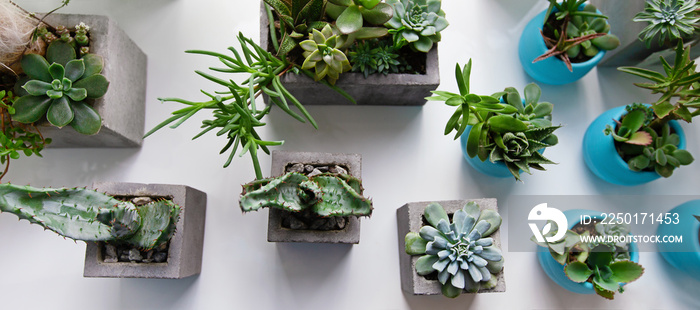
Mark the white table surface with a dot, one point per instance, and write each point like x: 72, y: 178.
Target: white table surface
x: 405, y: 158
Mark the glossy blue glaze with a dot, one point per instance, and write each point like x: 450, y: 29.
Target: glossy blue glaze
x: 684, y: 256
x: 551, y: 70
x: 601, y: 156
x: 555, y: 271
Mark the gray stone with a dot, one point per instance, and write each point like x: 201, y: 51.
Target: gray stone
x: 341, y: 222
x: 377, y: 89
x: 322, y: 168
x: 123, y: 107
x: 110, y: 254
x: 296, y: 168
x: 140, y: 201
x: 410, y: 218
x: 631, y: 51
x: 314, y: 172
x: 184, y: 257
x: 338, y: 169
x: 276, y: 233
x: 295, y: 223
x: 135, y: 255
x: 160, y: 257
x: 309, y: 168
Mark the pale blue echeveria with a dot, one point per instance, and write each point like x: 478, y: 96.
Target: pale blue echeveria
x: 417, y: 22
x: 460, y: 252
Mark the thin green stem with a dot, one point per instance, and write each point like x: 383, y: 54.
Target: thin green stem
x: 273, y: 31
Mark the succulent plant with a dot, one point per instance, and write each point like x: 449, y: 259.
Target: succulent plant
x: 417, y: 22
x: 371, y: 57
x: 351, y: 15
x: 521, y: 150
x: 297, y: 18
x: 325, y: 195
x: 661, y: 155
x: 58, y: 87
x: 630, y: 128
x: 460, y: 252
x: 578, y: 32
x: 669, y: 20
x: 562, y: 248
x: 83, y: 214
x: 322, y: 54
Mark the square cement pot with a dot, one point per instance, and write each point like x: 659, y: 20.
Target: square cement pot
x: 185, y: 249
x: 631, y: 51
x: 410, y: 218
x: 123, y: 106
x: 276, y: 233
x: 377, y: 89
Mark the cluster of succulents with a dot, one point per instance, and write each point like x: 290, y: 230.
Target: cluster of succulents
x: 606, y: 265
x: 643, y: 136
x: 460, y: 252
x: 325, y: 194
x: 503, y: 127
x: 575, y: 34
x: 83, y: 214
x: 369, y: 57
x: 668, y: 20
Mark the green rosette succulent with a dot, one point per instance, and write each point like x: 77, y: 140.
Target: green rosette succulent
x: 417, y: 22
x: 351, y: 15
x: 322, y: 53
x: 669, y: 20
x: 58, y: 86
x: 460, y: 252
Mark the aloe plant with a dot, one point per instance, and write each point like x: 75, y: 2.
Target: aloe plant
x: 87, y: 215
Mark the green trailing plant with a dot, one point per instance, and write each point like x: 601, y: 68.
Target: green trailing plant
x: 604, y: 264
x: 643, y: 136
x: 322, y: 53
x: 324, y: 195
x: 297, y: 19
x: 83, y: 214
x: 575, y: 34
x: 369, y: 57
x: 58, y: 87
x: 16, y: 139
x: 510, y: 131
x: 235, y: 113
x: 351, y: 15
x: 668, y: 20
x: 417, y: 23
x: 460, y: 252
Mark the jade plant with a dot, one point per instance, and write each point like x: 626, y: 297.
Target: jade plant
x: 573, y: 34
x: 324, y: 195
x: 460, y: 252
x: 83, y: 214
x: 417, y: 23
x: 606, y: 265
x: 643, y: 136
x: 668, y: 21
x: 503, y: 127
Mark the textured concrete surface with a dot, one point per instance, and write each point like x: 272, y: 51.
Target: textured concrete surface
x: 277, y: 233
x: 377, y: 89
x: 123, y: 107
x: 410, y: 218
x: 185, y: 252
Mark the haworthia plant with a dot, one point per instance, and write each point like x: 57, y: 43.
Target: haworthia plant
x: 83, y: 214
x: 324, y: 194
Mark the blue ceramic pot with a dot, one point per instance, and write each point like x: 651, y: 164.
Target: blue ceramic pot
x: 551, y: 70
x: 497, y: 169
x: 684, y: 256
x: 602, y: 158
x: 555, y: 271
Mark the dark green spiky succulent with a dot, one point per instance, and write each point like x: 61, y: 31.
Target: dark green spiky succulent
x: 669, y: 20
x: 58, y: 87
x: 417, y: 22
x: 362, y: 58
x: 351, y: 15
x: 87, y: 215
x: 324, y: 195
x: 460, y: 252
x: 370, y: 57
x: 322, y: 54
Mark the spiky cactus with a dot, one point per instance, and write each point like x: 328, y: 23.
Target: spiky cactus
x: 83, y: 214
x: 324, y: 194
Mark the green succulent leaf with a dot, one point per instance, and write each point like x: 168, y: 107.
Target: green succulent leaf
x: 424, y: 264
x: 60, y: 113
x: 93, y: 64
x: 75, y: 69
x: 37, y: 87
x: 626, y: 271
x: 30, y: 109
x: 434, y: 212
x: 415, y: 245
x: 60, y: 52
x: 36, y: 67
x: 96, y: 85
x: 506, y: 123
x: 578, y: 272
x: 350, y: 20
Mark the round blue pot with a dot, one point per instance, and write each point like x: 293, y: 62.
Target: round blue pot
x: 555, y: 271
x: 684, y: 256
x: 497, y: 169
x: 551, y: 70
x: 602, y: 158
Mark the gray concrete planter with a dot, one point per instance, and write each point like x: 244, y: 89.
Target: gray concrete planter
x: 631, y: 51
x: 276, y: 233
x: 185, y: 249
x: 377, y: 89
x: 410, y: 218
x: 123, y: 107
